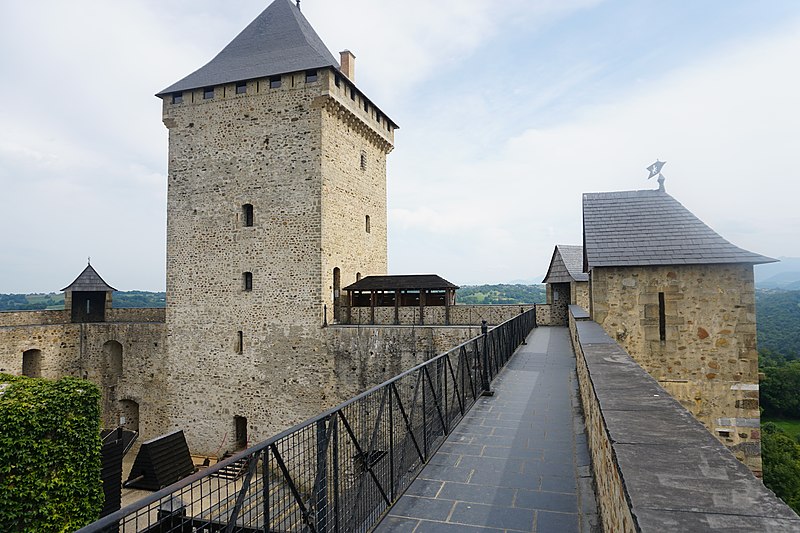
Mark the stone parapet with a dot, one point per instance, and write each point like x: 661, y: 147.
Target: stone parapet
x: 33, y: 318
x: 656, y: 467
x: 457, y: 315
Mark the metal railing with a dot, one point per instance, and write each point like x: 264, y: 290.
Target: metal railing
x: 339, y: 471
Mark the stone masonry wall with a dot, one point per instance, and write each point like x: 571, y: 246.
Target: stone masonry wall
x: 83, y: 350
x: 367, y: 356
x: 656, y: 468
x: 708, y: 361
x: 28, y: 318
x: 279, y: 150
x: 460, y: 315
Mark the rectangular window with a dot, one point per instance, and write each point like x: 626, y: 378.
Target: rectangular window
x: 337, y: 81
x: 247, y: 215
x: 247, y: 279
x: 662, y: 318
x: 311, y: 76
x: 208, y: 93
x: 274, y: 82
x: 177, y: 98
x: 241, y: 87
x: 239, y: 342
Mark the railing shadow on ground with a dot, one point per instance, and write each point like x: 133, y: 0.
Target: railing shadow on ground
x: 341, y: 470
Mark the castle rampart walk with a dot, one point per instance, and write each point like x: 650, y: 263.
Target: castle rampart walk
x: 518, y: 461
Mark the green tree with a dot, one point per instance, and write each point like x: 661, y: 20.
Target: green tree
x: 781, y: 459
x: 780, y: 390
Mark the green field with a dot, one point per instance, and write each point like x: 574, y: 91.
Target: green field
x: 790, y: 426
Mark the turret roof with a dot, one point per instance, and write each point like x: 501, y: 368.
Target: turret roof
x: 278, y: 41
x: 89, y: 281
x: 651, y: 227
x: 566, y: 265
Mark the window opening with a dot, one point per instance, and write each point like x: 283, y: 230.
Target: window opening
x: 240, y: 431
x: 208, y: 93
x: 363, y: 160
x: 358, y: 276
x: 337, y: 81
x: 274, y: 82
x: 352, y: 94
x: 247, y: 215
x: 367, y: 224
x: 311, y: 76
x: 32, y: 363
x: 239, y: 342
x: 662, y: 319
x: 177, y: 98
x: 247, y: 279
x: 337, y: 285
x: 241, y: 87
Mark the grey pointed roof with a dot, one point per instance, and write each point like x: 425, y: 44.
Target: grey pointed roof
x: 279, y: 40
x: 651, y: 227
x: 89, y: 281
x: 566, y: 265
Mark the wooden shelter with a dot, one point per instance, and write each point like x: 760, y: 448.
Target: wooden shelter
x: 417, y: 290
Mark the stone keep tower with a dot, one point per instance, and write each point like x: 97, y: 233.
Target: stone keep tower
x: 276, y: 199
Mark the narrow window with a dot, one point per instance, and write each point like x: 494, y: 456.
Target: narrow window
x: 358, y: 276
x: 311, y: 76
x: 247, y: 280
x: 247, y: 215
x: 363, y: 160
x: 240, y: 432
x: 662, y: 318
x: 274, y: 82
x: 239, y: 342
x: 337, y: 81
x: 367, y: 223
x: 241, y: 87
x: 208, y: 93
x: 177, y: 98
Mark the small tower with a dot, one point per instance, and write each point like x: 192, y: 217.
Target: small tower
x: 276, y: 199
x: 88, y: 297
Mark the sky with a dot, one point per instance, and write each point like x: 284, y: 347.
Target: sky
x: 508, y: 112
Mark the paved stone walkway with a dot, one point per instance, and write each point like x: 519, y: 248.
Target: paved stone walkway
x: 517, y: 462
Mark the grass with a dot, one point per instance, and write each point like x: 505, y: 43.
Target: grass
x: 790, y: 426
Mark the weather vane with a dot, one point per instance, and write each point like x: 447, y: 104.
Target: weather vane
x: 655, y: 170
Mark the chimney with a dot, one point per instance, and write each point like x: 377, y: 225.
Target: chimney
x: 348, y: 62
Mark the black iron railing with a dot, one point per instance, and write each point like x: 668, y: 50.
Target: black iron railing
x: 340, y: 471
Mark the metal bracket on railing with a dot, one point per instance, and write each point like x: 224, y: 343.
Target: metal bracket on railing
x: 485, y: 380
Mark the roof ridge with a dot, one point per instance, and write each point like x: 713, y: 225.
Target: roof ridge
x: 279, y: 40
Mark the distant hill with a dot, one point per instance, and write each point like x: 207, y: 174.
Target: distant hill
x: 778, y: 316
x: 501, y: 294
x: 782, y: 275
x: 55, y: 300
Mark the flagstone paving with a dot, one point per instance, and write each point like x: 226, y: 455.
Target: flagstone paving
x: 517, y: 462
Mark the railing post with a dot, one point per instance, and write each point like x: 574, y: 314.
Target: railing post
x: 321, y: 490
x: 485, y: 382
x: 521, y: 325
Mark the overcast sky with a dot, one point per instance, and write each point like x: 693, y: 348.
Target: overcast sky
x: 508, y: 110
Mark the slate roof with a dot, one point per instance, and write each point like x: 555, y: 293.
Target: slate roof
x: 278, y: 41
x: 89, y: 281
x: 410, y: 282
x: 651, y: 227
x: 566, y: 265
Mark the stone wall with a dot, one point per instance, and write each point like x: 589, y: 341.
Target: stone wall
x: 132, y: 373
x: 460, y: 315
x: 708, y: 359
x: 28, y: 318
x: 655, y: 466
x: 365, y: 356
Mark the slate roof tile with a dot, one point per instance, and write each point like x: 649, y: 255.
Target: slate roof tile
x: 89, y: 281
x: 278, y: 41
x: 405, y: 282
x: 650, y: 227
